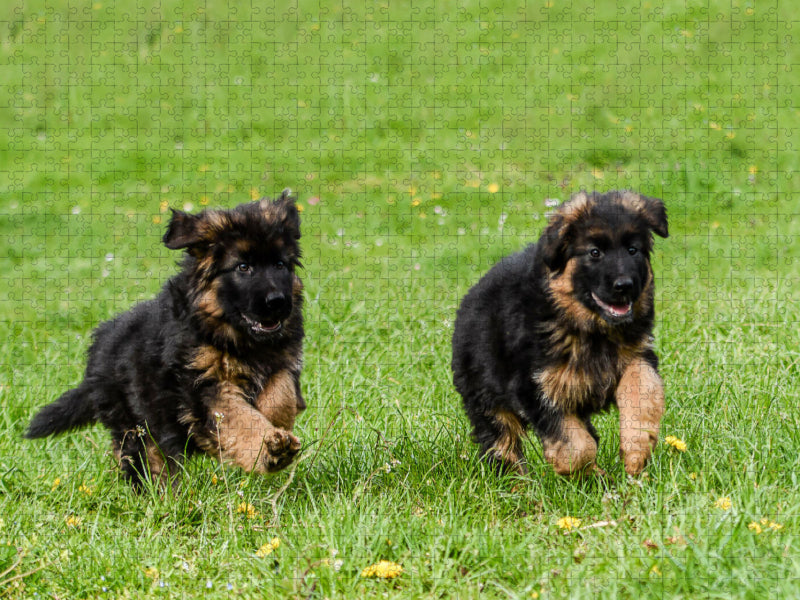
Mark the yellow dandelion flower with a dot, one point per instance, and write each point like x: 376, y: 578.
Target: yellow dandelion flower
x: 56, y: 483
x: 676, y: 443
x: 473, y: 183
x: 254, y: 194
x: 73, y: 521
x: 85, y: 489
x: 156, y: 220
x: 723, y: 503
x: 693, y: 476
x: 715, y: 126
x: 752, y: 170
x: 493, y: 188
x: 416, y: 202
x: 755, y: 527
x: 300, y: 208
x: 214, y: 480
x: 771, y: 524
x: 654, y: 570
x: 203, y: 200
x: 568, y: 523
x: 598, y: 173
x: 384, y: 569
x: 151, y: 572
x: 203, y: 168
x: 268, y: 548
x: 247, y: 509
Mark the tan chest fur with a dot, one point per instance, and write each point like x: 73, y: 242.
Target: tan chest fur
x: 582, y: 374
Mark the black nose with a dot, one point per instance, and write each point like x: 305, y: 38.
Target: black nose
x: 623, y: 285
x: 277, y: 303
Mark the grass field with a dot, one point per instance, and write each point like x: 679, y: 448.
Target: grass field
x: 422, y: 141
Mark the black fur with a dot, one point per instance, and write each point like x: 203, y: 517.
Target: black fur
x: 512, y: 325
x: 236, y: 304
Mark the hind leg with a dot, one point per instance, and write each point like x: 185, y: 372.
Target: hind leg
x: 140, y: 458
x: 500, y: 436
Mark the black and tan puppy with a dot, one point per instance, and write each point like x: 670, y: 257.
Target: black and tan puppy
x: 212, y: 364
x: 562, y: 330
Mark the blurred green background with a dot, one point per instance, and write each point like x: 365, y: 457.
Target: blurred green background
x: 425, y: 141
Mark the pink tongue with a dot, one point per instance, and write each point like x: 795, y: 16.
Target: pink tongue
x: 619, y: 310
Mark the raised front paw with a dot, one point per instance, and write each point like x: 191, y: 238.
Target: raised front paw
x: 280, y: 448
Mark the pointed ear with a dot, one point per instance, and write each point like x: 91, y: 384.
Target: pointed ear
x: 655, y: 213
x: 183, y: 230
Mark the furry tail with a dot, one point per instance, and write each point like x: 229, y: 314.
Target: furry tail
x: 71, y: 411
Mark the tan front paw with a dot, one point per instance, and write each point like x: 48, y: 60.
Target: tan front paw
x: 636, y: 453
x: 280, y: 448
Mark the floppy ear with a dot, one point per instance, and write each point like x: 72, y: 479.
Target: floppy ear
x: 655, y: 213
x: 288, y: 213
x: 553, y: 243
x: 183, y: 230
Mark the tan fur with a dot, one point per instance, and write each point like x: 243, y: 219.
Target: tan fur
x: 278, y: 401
x: 632, y: 201
x: 645, y: 300
x: 297, y: 287
x: 256, y: 438
x: 640, y: 397
x: 507, y: 448
x: 562, y: 293
x: 217, y: 365
x: 158, y: 471
x: 214, y: 222
x: 567, y: 382
x: 573, y: 450
x: 571, y: 212
x: 245, y: 437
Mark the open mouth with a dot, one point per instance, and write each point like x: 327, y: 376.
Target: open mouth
x: 258, y: 327
x: 614, y: 310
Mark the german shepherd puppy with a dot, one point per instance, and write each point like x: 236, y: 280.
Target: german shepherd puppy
x: 560, y: 331
x: 211, y: 364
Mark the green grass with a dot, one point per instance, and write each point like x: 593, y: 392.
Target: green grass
x: 431, y: 137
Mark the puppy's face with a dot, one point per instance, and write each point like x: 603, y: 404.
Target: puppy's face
x: 611, y: 270
x: 244, y: 265
x: 255, y: 284
x: 602, y: 244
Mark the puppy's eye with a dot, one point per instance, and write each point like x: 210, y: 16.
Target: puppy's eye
x: 279, y: 265
x: 594, y: 253
x: 243, y: 267
x: 632, y: 250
